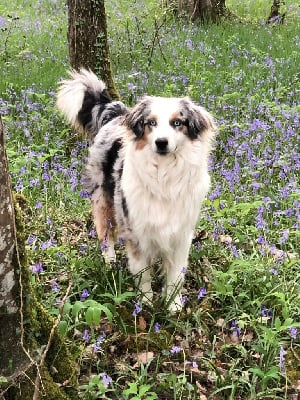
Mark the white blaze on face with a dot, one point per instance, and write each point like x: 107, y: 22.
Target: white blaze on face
x: 165, y: 131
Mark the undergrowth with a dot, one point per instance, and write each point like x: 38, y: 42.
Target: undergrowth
x: 237, y: 336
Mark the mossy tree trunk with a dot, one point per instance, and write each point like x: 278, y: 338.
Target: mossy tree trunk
x: 12, y: 357
x: 87, y: 37
x: 25, y: 326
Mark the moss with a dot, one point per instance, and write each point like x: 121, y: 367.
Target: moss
x: 293, y: 365
x: 59, y: 375
x: 49, y: 389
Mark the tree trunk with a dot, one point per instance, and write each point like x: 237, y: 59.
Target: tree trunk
x: 87, y: 37
x: 202, y: 10
x: 12, y: 357
x: 25, y: 327
x: 275, y: 15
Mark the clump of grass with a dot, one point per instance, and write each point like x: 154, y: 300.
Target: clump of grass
x: 237, y: 337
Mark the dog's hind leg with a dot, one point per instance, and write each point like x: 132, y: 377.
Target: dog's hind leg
x: 104, y: 220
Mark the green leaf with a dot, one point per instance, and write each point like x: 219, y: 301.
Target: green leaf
x: 89, y: 316
x: 96, y: 315
x: 63, y: 328
x: 257, y: 371
x: 77, y: 306
x: 132, y: 389
x: 143, y: 389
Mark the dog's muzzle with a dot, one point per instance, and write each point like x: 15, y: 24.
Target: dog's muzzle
x: 162, y: 146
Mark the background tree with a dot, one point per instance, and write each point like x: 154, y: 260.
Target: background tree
x: 203, y: 10
x: 87, y: 38
x: 213, y: 10
x: 275, y: 15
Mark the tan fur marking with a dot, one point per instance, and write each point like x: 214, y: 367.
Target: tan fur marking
x: 181, y: 128
x: 143, y: 141
x: 133, y: 249
x: 175, y: 115
x: 104, y: 219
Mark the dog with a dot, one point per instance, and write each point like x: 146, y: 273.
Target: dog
x: 146, y: 175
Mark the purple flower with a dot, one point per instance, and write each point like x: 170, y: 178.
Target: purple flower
x: 236, y: 330
x: 281, y: 360
x: 293, y: 332
x: 105, y: 379
x: 83, y: 249
x: 92, y: 233
x: 34, y: 182
x: 156, y: 327
x: 46, y: 245
x: 84, y: 194
x: 2, y: 22
x: 284, y: 236
x: 37, y: 268
x: 193, y: 363
x: 175, y: 349
x: 265, y: 312
x: 38, y: 205
x: 46, y: 177
x: 84, y: 295
x: 100, y: 340
x: 273, y: 271
x: 137, y: 309
x: 86, y: 335
x: 31, y: 239
x: 184, y: 299
x: 104, y: 246
x: 202, y: 292
x: 19, y: 186
x: 55, y: 285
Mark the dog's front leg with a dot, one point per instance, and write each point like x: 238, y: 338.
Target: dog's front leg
x: 175, y: 269
x: 139, y: 267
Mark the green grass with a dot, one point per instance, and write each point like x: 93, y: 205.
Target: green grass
x: 236, y: 341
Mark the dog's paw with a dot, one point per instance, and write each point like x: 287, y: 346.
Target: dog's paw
x: 109, y: 258
x: 175, y: 305
x: 109, y: 253
x: 147, y: 298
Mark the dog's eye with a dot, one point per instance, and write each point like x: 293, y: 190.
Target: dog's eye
x: 176, y: 122
x: 152, y: 122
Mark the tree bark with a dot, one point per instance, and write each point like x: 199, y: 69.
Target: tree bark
x: 201, y: 10
x: 12, y: 356
x: 87, y: 38
x: 25, y: 327
x: 275, y: 15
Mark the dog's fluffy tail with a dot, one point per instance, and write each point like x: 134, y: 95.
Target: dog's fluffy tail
x: 86, y: 103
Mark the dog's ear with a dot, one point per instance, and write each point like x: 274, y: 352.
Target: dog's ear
x: 135, y: 119
x: 198, y: 119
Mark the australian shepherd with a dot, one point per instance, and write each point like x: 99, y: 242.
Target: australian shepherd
x: 146, y: 175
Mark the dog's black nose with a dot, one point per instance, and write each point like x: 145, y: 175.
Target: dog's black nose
x: 162, y: 145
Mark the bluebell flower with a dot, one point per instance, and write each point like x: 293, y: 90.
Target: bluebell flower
x: 293, y: 332
x: 84, y: 295
x: 281, y: 360
x: 86, y: 335
x: 202, y: 292
x: 105, y: 379
x: 175, y: 349
x: 137, y: 309
x: 37, y: 268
